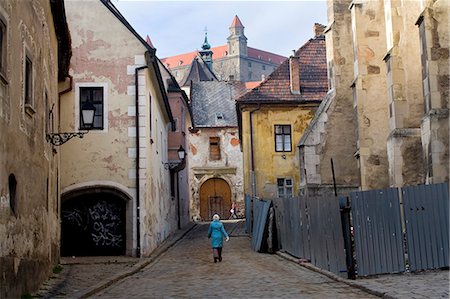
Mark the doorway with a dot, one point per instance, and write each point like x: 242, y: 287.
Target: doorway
x: 215, y: 197
x: 93, y: 224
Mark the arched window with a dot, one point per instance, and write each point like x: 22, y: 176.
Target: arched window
x: 12, y: 183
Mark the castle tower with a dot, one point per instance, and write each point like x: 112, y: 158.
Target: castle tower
x: 237, y: 42
x: 206, y: 52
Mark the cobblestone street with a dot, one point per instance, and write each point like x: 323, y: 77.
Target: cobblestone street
x: 187, y: 270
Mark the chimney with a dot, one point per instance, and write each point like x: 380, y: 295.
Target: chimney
x: 318, y: 29
x: 294, y: 73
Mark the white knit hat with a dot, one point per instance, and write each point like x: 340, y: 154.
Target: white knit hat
x: 216, y: 217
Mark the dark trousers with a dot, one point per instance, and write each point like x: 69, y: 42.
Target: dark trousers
x: 217, y: 255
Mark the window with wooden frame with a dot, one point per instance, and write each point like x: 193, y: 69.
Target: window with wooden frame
x: 95, y: 96
x: 284, y: 187
x: 214, y: 148
x: 283, y: 138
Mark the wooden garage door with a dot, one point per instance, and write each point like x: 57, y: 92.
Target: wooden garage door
x: 215, y: 197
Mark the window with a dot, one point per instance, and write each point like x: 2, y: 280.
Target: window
x: 284, y: 186
x: 219, y: 116
x: 175, y: 125
x: 231, y: 77
x: 28, y: 81
x: 283, y: 138
x: 95, y: 96
x: 264, y: 67
x: 2, y: 47
x: 250, y: 75
x: 214, y: 148
x: 12, y: 185
x: 249, y: 64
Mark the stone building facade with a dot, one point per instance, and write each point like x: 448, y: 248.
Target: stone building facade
x: 233, y: 61
x: 116, y: 192
x: 34, y: 56
x: 374, y: 50
x: 215, y: 158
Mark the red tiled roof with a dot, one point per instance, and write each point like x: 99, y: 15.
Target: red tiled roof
x: 221, y: 52
x: 236, y: 22
x: 252, y: 84
x: 313, y: 77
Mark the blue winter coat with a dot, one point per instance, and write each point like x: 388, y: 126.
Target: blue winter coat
x: 216, y: 232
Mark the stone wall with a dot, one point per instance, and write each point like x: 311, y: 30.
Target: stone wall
x: 29, y: 166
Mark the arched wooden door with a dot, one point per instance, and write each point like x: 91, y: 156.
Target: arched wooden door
x: 215, y: 197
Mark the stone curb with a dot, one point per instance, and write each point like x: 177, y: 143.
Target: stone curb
x: 138, y: 266
x: 334, y: 276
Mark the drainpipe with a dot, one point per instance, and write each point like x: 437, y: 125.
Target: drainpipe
x: 176, y: 171
x: 138, y: 208
x: 252, y: 159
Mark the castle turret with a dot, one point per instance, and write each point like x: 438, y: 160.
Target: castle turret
x: 237, y: 42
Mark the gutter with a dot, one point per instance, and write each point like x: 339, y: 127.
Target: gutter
x: 138, y: 208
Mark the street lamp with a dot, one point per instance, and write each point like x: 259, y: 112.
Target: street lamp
x: 87, y: 122
x: 173, y: 164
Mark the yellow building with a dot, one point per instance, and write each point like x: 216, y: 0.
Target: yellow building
x: 273, y: 116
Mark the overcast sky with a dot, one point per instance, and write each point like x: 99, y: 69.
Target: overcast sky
x: 177, y: 27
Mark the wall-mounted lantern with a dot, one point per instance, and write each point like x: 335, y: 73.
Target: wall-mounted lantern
x: 173, y: 164
x: 87, y: 122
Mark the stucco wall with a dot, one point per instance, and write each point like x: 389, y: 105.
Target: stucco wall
x: 229, y: 167
x: 270, y: 165
x: 29, y: 232
x: 106, y: 53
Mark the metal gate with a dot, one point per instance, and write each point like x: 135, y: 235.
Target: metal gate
x: 377, y: 232
x: 427, y: 228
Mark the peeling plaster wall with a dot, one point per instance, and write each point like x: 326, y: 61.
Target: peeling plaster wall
x: 29, y: 230
x: 106, y: 53
x: 229, y: 167
x: 158, y: 208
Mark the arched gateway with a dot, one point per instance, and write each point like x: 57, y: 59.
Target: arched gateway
x: 215, y: 197
x: 93, y: 222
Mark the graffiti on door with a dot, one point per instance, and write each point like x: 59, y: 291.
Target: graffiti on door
x: 93, y: 227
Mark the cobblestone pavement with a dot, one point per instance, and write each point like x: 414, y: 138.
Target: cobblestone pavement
x: 187, y: 270
x: 80, y: 273
x: 427, y: 284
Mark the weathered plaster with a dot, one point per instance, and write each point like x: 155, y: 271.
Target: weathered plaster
x: 30, y: 230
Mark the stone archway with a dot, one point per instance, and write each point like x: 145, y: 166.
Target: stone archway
x: 215, y: 197
x: 93, y: 222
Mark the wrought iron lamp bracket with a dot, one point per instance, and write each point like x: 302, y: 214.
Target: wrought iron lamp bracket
x: 58, y: 139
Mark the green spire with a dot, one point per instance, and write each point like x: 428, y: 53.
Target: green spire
x: 206, y: 45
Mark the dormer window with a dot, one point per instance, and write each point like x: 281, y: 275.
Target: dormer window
x: 180, y: 62
x: 219, y: 116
